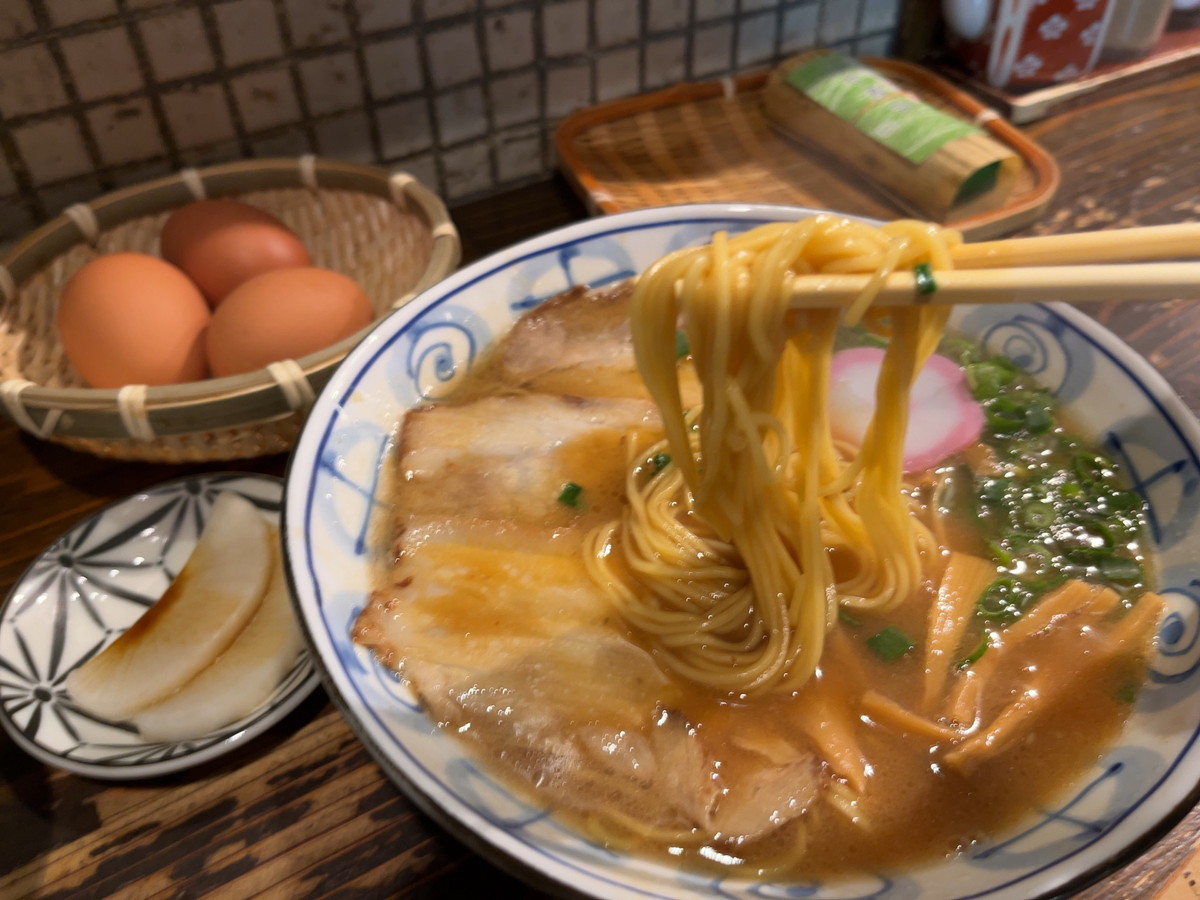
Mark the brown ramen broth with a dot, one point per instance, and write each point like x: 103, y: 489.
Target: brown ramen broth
x: 887, y: 756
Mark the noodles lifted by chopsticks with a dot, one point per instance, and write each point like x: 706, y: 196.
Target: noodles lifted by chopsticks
x: 732, y: 559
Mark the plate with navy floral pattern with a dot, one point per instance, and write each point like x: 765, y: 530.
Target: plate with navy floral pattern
x: 82, y: 592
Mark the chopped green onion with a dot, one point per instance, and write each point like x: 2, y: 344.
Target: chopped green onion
x: 570, y: 494
x: 993, y: 490
x: 1092, y: 468
x: 923, y: 273
x: 660, y: 461
x: 1128, y: 691
x: 890, y: 644
x: 1004, y: 415
x: 973, y: 657
x: 1094, y: 534
x: 1034, y: 559
x: 987, y: 379
x: 682, y: 347
x: 1038, y: 515
x: 1003, y: 600
x: 847, y: 618
x: 1001, y: 554
x: 1122, y: 501
x: 1121, y: 569
x: 1007, y: 414
x: 1038, y: 418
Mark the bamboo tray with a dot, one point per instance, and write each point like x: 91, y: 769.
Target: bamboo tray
x: 710, y: 142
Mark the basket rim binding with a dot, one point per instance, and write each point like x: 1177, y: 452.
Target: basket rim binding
x: 145, y: 413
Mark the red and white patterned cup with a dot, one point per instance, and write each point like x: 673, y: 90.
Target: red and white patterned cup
x: 1026, y: 43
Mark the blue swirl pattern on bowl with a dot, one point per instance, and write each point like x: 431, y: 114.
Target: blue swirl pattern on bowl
x: 333, y: 502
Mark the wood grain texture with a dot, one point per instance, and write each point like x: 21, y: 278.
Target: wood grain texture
x: 304, y: 812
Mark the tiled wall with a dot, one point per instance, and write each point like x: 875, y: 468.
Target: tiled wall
x: 462, y: 93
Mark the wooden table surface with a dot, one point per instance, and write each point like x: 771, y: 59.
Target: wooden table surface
x: 303, y: 811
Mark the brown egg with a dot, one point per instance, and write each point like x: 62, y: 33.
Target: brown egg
x: 221, y: 243
x: 129, y: 318
x: 284, y: 314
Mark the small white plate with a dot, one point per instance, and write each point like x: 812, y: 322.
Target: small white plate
x: 88, y: 587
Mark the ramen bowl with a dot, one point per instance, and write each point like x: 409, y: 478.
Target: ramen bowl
x: 334, y: 505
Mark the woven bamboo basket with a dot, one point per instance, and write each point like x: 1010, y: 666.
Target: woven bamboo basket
x: 384, y: 230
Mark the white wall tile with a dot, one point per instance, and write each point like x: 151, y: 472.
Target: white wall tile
x: 752, y: 5
x: 290, y: 142
x: 568, y: 88
x: 198, y: 115
x: 509, y: 40
x: 756, y: 40
x: 461, y: 115
x: 514, y: 99
x: 29, y: 81
x: 665, y: 62
x: 393, y: 67
x: 102, y: 63
x: 266, y: 99
x: 453, y: 55
x: 52, y: 149
x: 706, y: 10
x: 404, y: 128
x: 617, y: 21
x: 316, y: 23
x: 878, y: 45
x: 125, y: 131
x: 800, y: 28
x: 519, y: 154
x: 331, y: 83
x: 210, y: 154
x: 712, y: 50
x: 839, y: 19
x: 440, y: 9
x: 467, y: 170
x: 376, y: 15
x: 618, y: 73
x: 70, y: 12
x: 176, y: 44
x: 565, y: 28
x: 249, y: 31
x: 666, y: 15
x: 346, y: 136
x: 878, y: 15
x: 424, y: 169
x: 16, y: 19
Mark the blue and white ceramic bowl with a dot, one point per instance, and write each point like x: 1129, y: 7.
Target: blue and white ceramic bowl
x: 332, y: 503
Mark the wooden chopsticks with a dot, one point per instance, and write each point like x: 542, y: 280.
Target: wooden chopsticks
x: 1120, y: 245
x: 1085, y: 267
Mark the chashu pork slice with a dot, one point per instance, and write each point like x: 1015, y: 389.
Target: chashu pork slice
x: 509, y: 649
x: 491, y: 603
x: 479, y: 528
x: 580, y: 343
x: 493, y: 469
